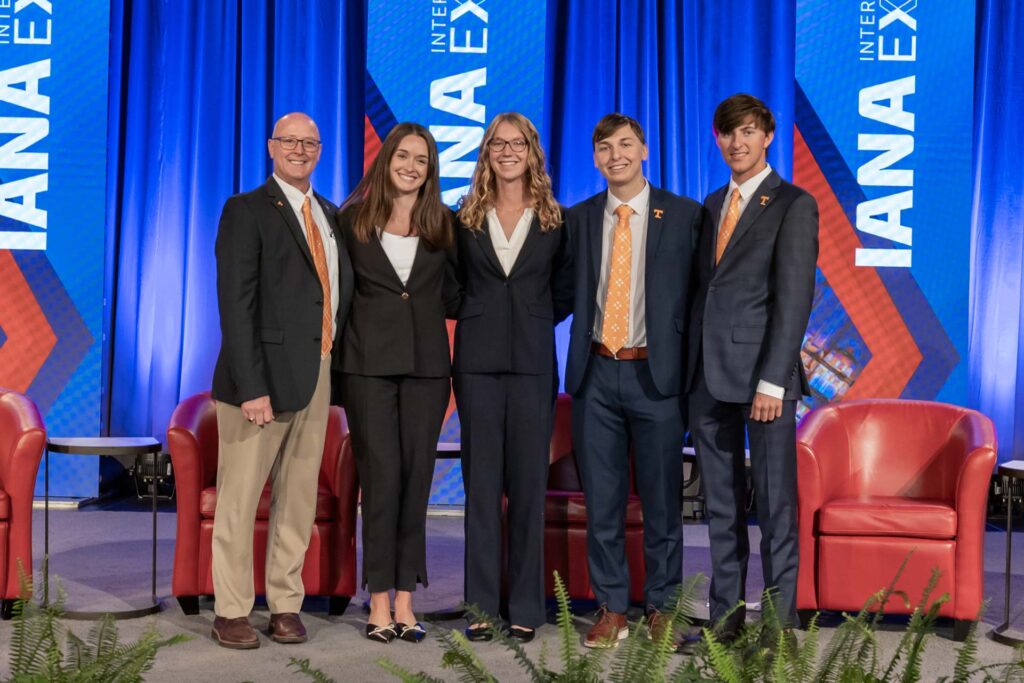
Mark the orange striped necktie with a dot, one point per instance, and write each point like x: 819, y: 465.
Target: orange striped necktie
x: 615, y: 327
x: 732, y: 217
x: 316, y: 246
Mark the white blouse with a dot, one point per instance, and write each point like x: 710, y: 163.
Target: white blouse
x: 401, y: 251
x: 508, y: 249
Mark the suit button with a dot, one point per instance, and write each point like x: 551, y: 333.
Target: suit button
x: 711, y: 288
x: 505, y: 283
x: 316, y: 339
x: 405, y: 295
x: 319, y: 303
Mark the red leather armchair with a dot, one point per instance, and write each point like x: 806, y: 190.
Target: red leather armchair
x: 565, y: 519
x: 22, y: 440
x: 330, y: 565
x: 878, y: 479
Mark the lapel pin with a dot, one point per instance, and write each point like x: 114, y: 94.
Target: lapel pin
x: 280, y: 203
x: 658, y: 213
x: 765, y: 199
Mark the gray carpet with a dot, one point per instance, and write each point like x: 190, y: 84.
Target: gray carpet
x: 102, y: 559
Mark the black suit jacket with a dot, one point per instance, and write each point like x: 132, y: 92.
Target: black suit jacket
x: 271, y: 302
x: 674, y: 224
x: 506, y: 323
x: 395, y: 329
x: 751, y: 310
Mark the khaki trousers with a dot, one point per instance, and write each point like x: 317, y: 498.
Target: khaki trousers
x: 288, y: 450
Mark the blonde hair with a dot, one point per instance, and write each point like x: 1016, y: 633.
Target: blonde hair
x: 483, y: 191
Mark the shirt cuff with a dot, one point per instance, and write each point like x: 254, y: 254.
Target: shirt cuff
x: 770, y: 389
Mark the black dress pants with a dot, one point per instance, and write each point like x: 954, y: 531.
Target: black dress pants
x: 394, y: 423
x: 506, y: 433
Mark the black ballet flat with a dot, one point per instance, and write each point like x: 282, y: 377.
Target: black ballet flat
x: 381, y: 634
x: 479, y: 634
x: 411, y: 634
x: 520, y: 633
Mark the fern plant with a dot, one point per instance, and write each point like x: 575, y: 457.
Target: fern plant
x: 43, y: 649
x: 764, y: 650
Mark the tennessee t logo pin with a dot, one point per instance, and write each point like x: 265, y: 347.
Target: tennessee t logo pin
x: 658, y: 213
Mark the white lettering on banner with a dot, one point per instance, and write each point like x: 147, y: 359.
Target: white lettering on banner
x: 891, y: 37
x: 464, y: 105
x: 27, y: 131
x: 457, y: 94
x: 884, y: 103
x: 28, y: 33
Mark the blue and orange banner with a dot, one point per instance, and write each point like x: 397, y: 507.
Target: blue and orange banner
x: 884, y: 105
x: 53, y: 131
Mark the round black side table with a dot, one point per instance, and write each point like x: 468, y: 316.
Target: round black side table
x: 1012, y: 473
x: 130, y: 446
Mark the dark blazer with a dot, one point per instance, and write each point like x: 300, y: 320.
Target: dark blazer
x: 751, y: 310
x: 395, y: 329
x: 674, y: 224
x: 271, y: 302
x: 507, y: 323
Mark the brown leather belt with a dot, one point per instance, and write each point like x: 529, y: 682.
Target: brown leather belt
x: 625, y: 353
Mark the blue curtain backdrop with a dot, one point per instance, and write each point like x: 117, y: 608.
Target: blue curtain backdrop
x: 195, y: 88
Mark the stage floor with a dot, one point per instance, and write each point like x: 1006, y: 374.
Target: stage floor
x: 102, y: 557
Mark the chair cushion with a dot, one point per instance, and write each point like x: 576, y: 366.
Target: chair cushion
x: 5, y: 505
x: 569, y: 507
x: 325, y: 504
x: 888, y: 516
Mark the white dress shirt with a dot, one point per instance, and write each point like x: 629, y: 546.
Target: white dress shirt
x: 295, y: 199
x: 637, y: 289
x: 401, y: 251
x: 508, y: 248
x: 747, y: 189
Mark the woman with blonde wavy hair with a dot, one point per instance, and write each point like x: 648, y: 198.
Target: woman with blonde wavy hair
x: 516, y: 279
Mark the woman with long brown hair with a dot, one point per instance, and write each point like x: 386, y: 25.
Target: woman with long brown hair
x: 395, y: 366
x: 516, y: 278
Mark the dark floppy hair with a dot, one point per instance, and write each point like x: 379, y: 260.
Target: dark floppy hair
x: 375, y: 194
x: 612, y: 122
x: 734, y: 110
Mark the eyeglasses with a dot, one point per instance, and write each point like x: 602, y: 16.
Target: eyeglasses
x: 289, y: 143
x: 498, y: 145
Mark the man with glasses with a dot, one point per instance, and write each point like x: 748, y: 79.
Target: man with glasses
x: 284, y: 285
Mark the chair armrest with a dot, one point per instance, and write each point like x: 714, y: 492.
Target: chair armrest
x: 22, y: 466
x: 189, y: 426
x: 979, y: 441
x: 822, y: 459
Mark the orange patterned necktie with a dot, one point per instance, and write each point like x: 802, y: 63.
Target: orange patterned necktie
x: 615, y: 328
x: 316, y: 246
x: 732, y: 216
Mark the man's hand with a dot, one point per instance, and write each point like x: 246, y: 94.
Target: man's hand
x: 765, y: 408
x: 258, y: 411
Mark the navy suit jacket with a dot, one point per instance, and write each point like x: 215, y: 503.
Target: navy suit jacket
x: 271, y: 302
x: 506, y: 322
x: 674, y: 224
x: 751, y: 310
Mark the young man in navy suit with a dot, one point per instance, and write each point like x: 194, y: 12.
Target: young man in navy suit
x: 633, y: 245
x: 755, y: 270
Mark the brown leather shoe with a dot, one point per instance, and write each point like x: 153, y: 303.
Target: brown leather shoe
x: 286, y: 628
x: 611, y: 627
x: 657, y: 624
x: 236, y: 633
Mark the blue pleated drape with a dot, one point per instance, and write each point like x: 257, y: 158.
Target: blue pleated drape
x: 195, y: 88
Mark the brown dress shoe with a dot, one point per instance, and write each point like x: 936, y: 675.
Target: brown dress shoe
x: 236, y: 633
x: 657, y: 624
x: 611, y: 627
x: 286, y: 628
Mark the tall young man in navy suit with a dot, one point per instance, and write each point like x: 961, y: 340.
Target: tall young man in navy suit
x: 633, y: 246
x: 755, y: 269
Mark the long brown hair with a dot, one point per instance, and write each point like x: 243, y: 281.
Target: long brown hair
x: 374, y: 196
x: 482, y: 194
